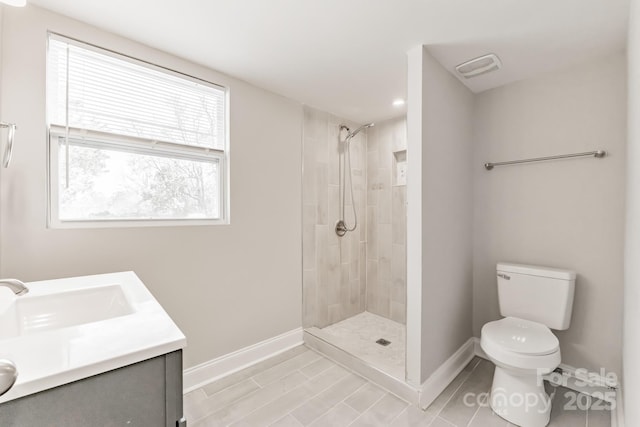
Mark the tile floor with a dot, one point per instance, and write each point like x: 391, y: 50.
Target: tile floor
x: 358, y: 334
x: 303, y: 388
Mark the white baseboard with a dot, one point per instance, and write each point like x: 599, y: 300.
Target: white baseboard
x: 617, y: 416
x: 222, y: 366
x: 478, y: 349
x: 443, y: 376
x: 594, y: 385
x: 588, y: 383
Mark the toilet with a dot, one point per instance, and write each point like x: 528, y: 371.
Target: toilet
x: 533, y: 300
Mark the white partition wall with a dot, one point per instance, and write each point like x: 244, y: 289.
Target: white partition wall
x: 631, y: 340
x: 415, y: 131
x: 439, y: 215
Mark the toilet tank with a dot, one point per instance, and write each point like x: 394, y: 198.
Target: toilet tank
x: 539, y: 294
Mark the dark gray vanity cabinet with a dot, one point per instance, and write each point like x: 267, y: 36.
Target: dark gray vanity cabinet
x: 145, y: 394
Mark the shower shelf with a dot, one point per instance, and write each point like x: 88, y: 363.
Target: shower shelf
x: 399, y: 168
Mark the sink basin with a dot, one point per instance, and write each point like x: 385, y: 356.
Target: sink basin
x: 38, y: 313
x: 65, y: 330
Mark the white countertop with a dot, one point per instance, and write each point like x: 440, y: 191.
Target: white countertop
x: 55, y: 357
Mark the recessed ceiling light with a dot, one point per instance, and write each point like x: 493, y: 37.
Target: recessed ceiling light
x: 398, y: 102
x: 18, y: 3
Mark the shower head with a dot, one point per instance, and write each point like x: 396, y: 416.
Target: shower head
x: 355, y: 132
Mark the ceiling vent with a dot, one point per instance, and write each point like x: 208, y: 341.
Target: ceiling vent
x: 478, y: 66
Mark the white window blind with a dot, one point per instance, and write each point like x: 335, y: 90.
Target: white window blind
x: 131, y: 142
x: 101, y: 92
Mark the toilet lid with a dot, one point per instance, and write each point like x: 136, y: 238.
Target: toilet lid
x: 521, y: 336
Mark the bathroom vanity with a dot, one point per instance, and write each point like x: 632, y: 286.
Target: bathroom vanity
x: 147, y: 393
x: 91, y: 351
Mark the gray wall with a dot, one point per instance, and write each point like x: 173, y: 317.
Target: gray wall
x: 226, y: 287
x: 386, y: 222
x: 566, y: 214
x: 446, y: 214
x: 334, y: 276
x: 631, y: 356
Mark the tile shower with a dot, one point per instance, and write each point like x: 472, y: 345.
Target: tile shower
x: 354, y: 287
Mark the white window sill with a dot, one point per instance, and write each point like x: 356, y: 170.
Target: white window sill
x: 136, y: 223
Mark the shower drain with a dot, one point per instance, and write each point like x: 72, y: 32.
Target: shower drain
x: 383, y: 342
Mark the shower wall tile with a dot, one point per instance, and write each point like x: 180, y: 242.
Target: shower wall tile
x: 322, y: 148
x: 384, y: 175
x: 398, y: 292
x: 361, y: 206
x: 358, y: 182
x: 399, y: 214
x: 333, y: 146
x: 309, y: 298
x: 309, y: 191
x: 354, y: 295
x: 354, y: 298
x: 354, y: 265
x: 372, y: 281
x: 334, y: 268
x: 384, y: 241
x: 372, y: 232
x: 384, y: 305
x: 322, y: 188
x: 384, y: 196
x: 315, y: 124
x: 399, y: 136
x: 334, y: 206
x: 335, y: 120
x: 363, y: 276
x: 384, y: 206
x: 345, y: 289
x: 309, y: 237
x: 399, y: 269
x: 384, y: 140
x: 384, y: 257
x: 334, y: 274
x: 359, y: 159
x: 332, y: 237
x: 360, y: 190
x: 322, y: 252
x: 372, y: 139
x: 398, y: 312
x: 386, y: 223
x: 385, y: 156
x: 372, y: 178
x: 345, y: 249
x: 322, y: 273
x: 335, y: 314
x: 384, y: 277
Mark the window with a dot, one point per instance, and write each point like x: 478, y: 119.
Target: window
x: 131, y: 143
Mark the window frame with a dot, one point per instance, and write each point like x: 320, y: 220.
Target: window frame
x: 135, y: 145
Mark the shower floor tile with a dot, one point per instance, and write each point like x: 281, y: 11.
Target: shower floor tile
x: 358, y: 335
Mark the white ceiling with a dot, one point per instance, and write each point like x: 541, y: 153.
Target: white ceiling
x: 348, y: 56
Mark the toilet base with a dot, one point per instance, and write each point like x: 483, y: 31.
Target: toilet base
x: 520, y: 398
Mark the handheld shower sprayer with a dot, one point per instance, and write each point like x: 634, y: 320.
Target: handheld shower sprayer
x: 341, y: 226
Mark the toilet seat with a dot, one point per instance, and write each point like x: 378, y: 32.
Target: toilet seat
x: 520, y: 344
x: 521, y: 336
